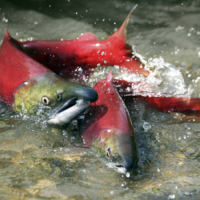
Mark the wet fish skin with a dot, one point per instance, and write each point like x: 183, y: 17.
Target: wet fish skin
x: 86, y: 51
x: 109, y: 128
x: 32, y: 88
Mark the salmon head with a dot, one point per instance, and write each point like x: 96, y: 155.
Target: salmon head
x: 109, y: 130
x: 119, y: 149
x: 33, y: 89
x: 49, y: 95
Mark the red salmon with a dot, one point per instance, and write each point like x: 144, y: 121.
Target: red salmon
x: 109, y: 127
x: 85, y: 51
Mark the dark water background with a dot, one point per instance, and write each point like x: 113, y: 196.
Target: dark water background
x: 50, y: 163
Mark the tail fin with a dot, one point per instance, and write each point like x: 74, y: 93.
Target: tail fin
x: 121, y: 32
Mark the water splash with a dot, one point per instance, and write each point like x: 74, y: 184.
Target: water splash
x: 164, y: 79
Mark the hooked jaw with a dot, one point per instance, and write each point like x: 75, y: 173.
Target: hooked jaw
x: 68, y: 111
x: 87, y: 93
x: 82, y: 96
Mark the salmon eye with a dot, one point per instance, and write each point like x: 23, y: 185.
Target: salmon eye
x: 45, y: 101
x: 108, y: 152
x: 59, y: 97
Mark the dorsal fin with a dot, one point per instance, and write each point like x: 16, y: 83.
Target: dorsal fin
x: 12, y: 41
x: 87, y: 37
x: 121, y: 32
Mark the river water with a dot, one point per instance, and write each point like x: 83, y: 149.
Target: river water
x: 41, y: 162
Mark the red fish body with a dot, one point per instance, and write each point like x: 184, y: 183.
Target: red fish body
x: 109, y: 128
x: 86, y: 52
x: 64, y: 57
x: 15, y: 68
x: 175, y: 104
x: 32, y: 88
x: 163, y: 103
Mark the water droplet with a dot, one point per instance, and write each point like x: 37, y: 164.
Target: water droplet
x: 179, y: 28
x: 186, y: 193
x: 5, y: 20
x: 146, y: 126
x: 172, y: 196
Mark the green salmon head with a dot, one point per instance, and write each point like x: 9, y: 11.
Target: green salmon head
x: 118, y: 147
x: 56, y: 99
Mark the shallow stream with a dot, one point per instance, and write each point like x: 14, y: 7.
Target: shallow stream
x: 43, y: 162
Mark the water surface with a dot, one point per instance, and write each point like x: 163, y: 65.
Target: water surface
x: 40, y: 162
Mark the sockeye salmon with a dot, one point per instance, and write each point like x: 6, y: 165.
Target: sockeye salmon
x: 87, y: 52
x: 63, y: 57
x: 108, y: 128
x: 32, y: 88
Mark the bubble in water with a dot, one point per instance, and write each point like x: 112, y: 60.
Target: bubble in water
x: 112, y: 192
x: 146, y: 126
x: 128, y: 175
x: 179, y: 28
x: 5, y: 20
x: 172, y: 196
x: 187, y: 193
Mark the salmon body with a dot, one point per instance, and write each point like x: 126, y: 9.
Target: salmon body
x: 63, y: 57
x: 32, y: 88
x: 163, y: 103
x: 108, y: 127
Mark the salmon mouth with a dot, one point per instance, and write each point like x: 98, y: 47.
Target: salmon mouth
x: 118, y: 167
x: 67, y: 111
